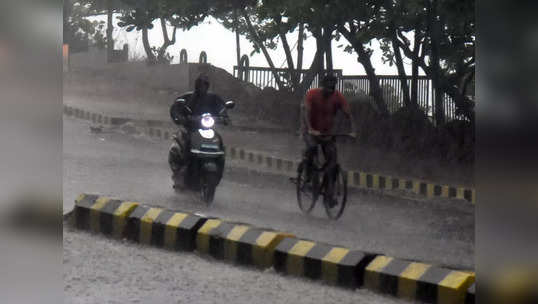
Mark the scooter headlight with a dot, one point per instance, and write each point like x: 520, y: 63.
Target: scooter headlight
x: 207, y: 121
x: 207, y: 134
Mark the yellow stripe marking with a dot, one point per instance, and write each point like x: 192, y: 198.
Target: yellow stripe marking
x: 402, y: 182
x: 362, y: 179
x: 170, y: 230
x: 146, y: 223
x: 230, y: 243
x: 350, y: 179
x: 407, y: 280
x: 375, y: 181
x: 295, y: 258
x: 95, y: 210
x: 263, y: 251
x: 459, y: 193
x: 430, y: 190
x: 120, y: 217
x: 202, y: 237
x: 329, y: 264
x: 416, y: 187
x: 445, y: 190
x: 80, y: 198
x: 453, y: 287
x: 371, y: 274
x: 388, y: 182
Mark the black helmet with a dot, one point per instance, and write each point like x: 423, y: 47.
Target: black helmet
x: 329, y: 77
x: 202, y: 78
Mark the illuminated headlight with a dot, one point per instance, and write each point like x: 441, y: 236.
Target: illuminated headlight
x: 208, y: 134
x: 208, y: 122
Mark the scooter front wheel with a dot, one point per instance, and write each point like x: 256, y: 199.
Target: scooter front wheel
x: 207, y: 189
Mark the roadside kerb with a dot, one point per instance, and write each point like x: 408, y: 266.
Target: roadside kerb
x: 248, y: 245
x: 417, y: 281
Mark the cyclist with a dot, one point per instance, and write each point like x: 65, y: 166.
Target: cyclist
x: 320, y: 108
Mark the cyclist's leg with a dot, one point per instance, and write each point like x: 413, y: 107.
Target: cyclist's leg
x: 329, y: 150
x: 308, y: 154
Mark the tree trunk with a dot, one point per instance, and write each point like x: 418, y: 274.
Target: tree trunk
x: 166, y: 41
x: 434, y: 35
x: 237, y: 42
x: 375, y: 88
x: 264, y: 50
x: 401, y: 70
x: 109, y: 31
x: 364, y: 59
x: 328, y: 49
x: 287, y: 52
x: 147, y: 47
x: 314, y: 69
x: 414, y: 71
x: 300, y: 51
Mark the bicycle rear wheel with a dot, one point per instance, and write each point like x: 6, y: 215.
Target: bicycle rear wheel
x: 339, y: 195
x: 306, y: 192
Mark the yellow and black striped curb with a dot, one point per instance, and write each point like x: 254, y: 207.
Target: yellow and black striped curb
x: 359, y: 179
x: 356, y: 179
x: 263, y: 248
x: 102, y: 214
x: 163, y: 228
x: 94, y: 117
x: 334, y: 265
x: 239, y: 243
x: 417, y: 281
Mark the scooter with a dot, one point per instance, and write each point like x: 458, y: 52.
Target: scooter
x: 204, y: 155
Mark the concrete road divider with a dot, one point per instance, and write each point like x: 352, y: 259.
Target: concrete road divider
x: 239, y: 243
x: 417, y: 281
x: 102, y: 214
x: 163, y: 228
x: 334, y: 265
x: 263, y: 248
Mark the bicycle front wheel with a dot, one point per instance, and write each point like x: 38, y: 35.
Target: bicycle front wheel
x: 306, y: 192
x: 339, y: 195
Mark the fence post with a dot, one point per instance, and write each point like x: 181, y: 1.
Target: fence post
x: 243, y: 68
x: 203, y: 57
x: 183, y: 56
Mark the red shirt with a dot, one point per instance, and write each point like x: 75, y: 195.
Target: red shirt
x: 323, y: 110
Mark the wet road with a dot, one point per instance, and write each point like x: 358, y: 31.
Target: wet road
x: 439, y: 232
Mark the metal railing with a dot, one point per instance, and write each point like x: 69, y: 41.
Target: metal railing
x: 359, y: 85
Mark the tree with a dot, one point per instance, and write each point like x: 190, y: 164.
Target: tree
x: 360, y: 24
x: 444, y: 32
x: 78, y: 31
x: 182, y: 14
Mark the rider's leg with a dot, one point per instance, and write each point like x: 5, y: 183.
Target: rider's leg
x: 308, y: 154
x: 329, y: 150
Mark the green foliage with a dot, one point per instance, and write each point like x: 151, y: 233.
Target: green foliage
x: 78, y: 31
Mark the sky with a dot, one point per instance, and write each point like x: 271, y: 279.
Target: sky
x: 219, y: 44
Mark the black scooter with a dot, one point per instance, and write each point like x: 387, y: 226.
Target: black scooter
x: 204, y: 161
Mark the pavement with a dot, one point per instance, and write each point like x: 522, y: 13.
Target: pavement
x: 100, y: 270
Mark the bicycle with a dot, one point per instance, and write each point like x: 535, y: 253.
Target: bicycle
x: 309, y: 192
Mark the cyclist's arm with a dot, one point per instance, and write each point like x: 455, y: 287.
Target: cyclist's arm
x: 307, y: 116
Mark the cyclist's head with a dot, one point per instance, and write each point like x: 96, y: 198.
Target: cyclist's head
x: 201, y: 85
x: 328, y: 83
